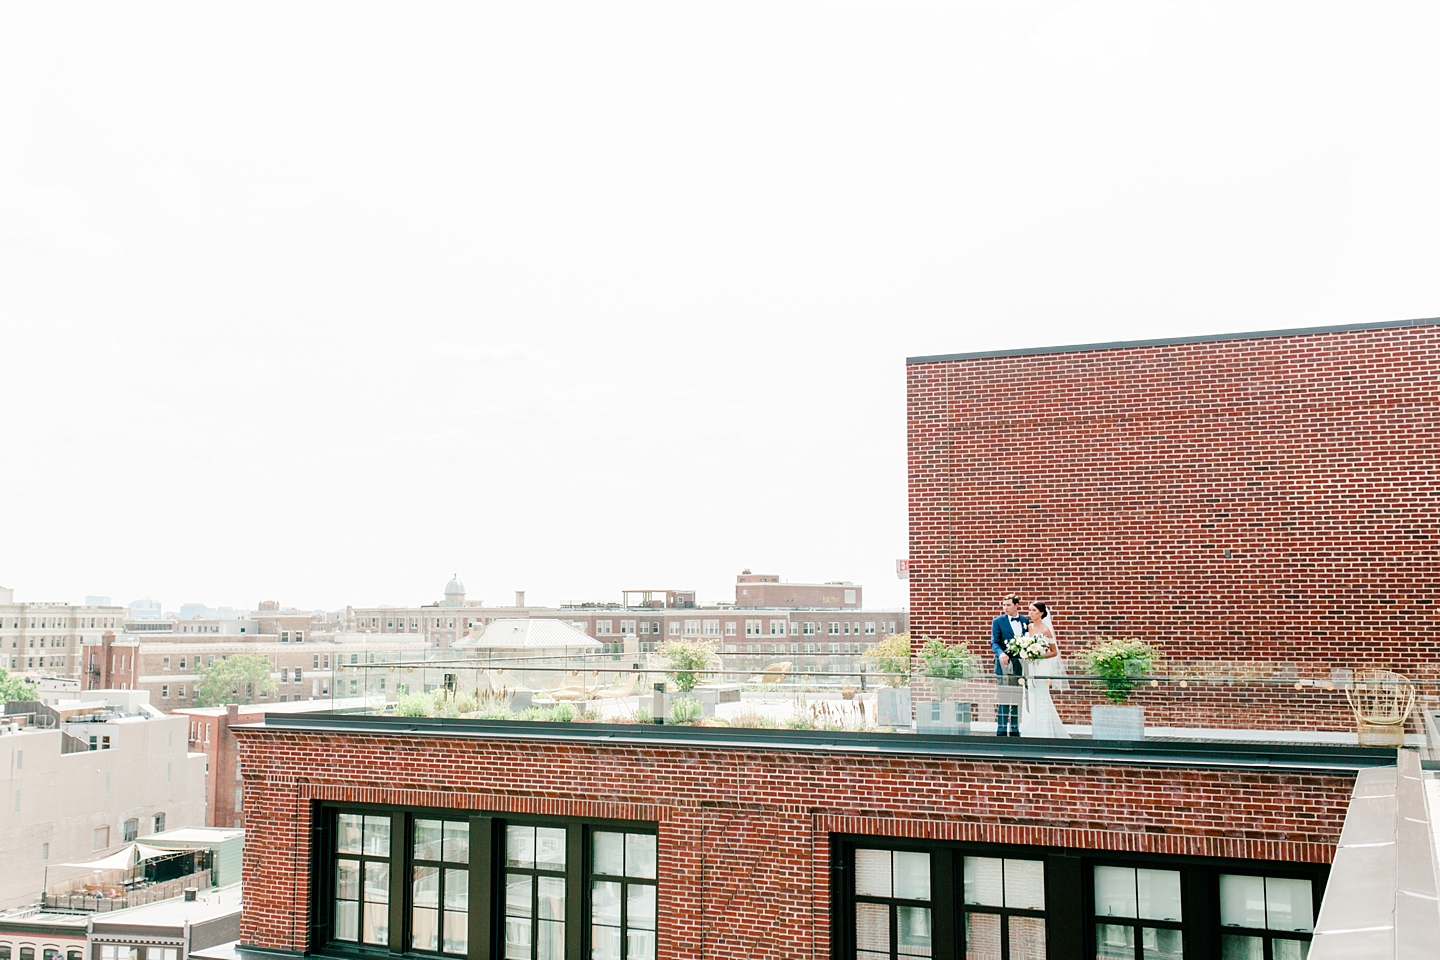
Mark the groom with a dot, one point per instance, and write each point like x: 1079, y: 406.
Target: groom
x: 1006, y: 627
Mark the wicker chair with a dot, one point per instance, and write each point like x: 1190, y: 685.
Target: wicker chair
x: 1382, y: 702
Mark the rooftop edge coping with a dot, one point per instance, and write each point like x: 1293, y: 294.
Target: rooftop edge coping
x: 1248, y: 755
x: 1168, y: 341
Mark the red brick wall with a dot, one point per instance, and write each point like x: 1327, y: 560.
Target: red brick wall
x: 743, y: 833
x: 1270, y: 499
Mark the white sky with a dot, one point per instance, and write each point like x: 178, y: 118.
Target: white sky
x: 325, y: 303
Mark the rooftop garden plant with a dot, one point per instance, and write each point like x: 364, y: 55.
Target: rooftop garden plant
x: 1119, y: 663
x: 890, y: 658
x: 684, y: 661
x: 948, y: 661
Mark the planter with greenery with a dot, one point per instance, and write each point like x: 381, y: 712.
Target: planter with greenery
x: 947, y: 667
x: 685, y: 660
x: 1119, y: 664
x: 890, y: 661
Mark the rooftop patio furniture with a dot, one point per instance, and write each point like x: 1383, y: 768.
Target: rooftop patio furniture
x: 775, y: 673
x: 1382, y: 701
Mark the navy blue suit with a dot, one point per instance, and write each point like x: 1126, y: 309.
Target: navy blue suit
x: 1001, y: 634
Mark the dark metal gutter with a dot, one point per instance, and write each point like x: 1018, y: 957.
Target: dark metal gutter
x: 1239, y: 755
x: 1169, y: 341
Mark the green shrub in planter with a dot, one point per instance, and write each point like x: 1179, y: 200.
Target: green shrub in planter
x: 684, y: 659
x: 1118, y: 663
x: 891, y: 659
x: 948, y: 661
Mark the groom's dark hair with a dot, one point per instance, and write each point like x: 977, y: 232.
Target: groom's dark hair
x: 1012, y: 598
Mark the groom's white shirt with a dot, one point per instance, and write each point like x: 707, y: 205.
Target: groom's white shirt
x: 1017, y: 628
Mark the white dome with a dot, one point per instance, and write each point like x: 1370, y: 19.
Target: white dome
x: 455, y: 587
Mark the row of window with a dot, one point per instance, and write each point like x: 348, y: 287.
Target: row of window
x: 27, y: 952
x: 906, y: 903
x: 407, y: 881
x: 56, y: 660
x: 433, y: 882
x: 61, y: 623
x: 40, y: 643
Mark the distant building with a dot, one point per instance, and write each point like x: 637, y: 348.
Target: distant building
x: 170, y: 929
x: 145, y: 609
x: 766, y: 590
x: 85, y: 776
x: 43, y: 639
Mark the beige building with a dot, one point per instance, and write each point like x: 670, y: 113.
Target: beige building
x: 44, y: 639
x: 85, y: 776
x: 305, y: 665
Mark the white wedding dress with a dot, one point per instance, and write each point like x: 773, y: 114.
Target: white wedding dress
x: 1038, y: 717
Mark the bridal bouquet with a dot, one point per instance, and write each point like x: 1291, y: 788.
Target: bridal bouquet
x: 1031, y: 646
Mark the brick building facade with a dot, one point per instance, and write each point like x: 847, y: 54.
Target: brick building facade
x: 762, y: 841
x: 1258, y: 503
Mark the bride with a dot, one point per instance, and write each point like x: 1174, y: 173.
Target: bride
x: 1039, y: 718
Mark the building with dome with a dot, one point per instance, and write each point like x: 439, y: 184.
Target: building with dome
x: 454, y: 593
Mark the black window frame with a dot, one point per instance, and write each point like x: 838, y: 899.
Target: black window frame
x: 485, y: 938
x: 1069, y: 892
x: 626, y: 881
x: 1003, y: 911
x: 1136, y: 923
x: 1266, y: 934
x: 892, y: 902
x: 412, y: 861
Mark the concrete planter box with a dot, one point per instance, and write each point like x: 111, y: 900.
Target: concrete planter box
x: 519, y: 700
x: 713, y: 694
x: 892, y: 706
x: 1117, y: 723
x: 942, y: 716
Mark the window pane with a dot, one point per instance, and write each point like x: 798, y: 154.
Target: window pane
x: 1114, y: 942
x: 1289, y: 949
x: 1115, y: 893
x: 872, y: 927
x: 1242, y: 901
x: 609, y: 854
x: 457, y: 842
x: 640, y: 945
x: 519, y: 846
x: 517, y: 938
x: 983, y: 881
x: 551, y: 898
x: 457, y: 889
x: 377, y: 882
x: 1159, y: 893
x: 604, y: 942
x: 872, y: 874
x: 1288, y: 905
x: 1241, y: 948
x: 640, y: 906
x: 517, y: 895
x: 640, y: 855
x: 347, y: 833
x: 982, y: 936
x: 457, y: 933
x: 550, y: 935
x: 605, y: 904
x: 424, y: 929
x: 377, y: 836
x: 347, y: 920
x: 912, y: 931
x: 1162, y: 944
x: 912, y: 875
x: 425, y: 887
x: 1027, y: 938
x: 347, y: 879
x: 550, y: 848
x: 376, y: 925
x: 427, y: 839
x: 1025, y: 885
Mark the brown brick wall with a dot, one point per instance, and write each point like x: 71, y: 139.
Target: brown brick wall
x: 1268, y: 501
x: 744, y: 833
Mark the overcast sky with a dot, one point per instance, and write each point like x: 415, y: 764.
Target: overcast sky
x: 323, y: 304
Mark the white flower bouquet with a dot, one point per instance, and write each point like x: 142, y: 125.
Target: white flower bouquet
x: 1031, y: 646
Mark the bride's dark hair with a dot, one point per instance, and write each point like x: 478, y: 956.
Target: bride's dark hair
x: 1041, y: 607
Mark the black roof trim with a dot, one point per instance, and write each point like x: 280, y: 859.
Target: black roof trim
x: 1243, y: 755
x: 1206, y: 338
